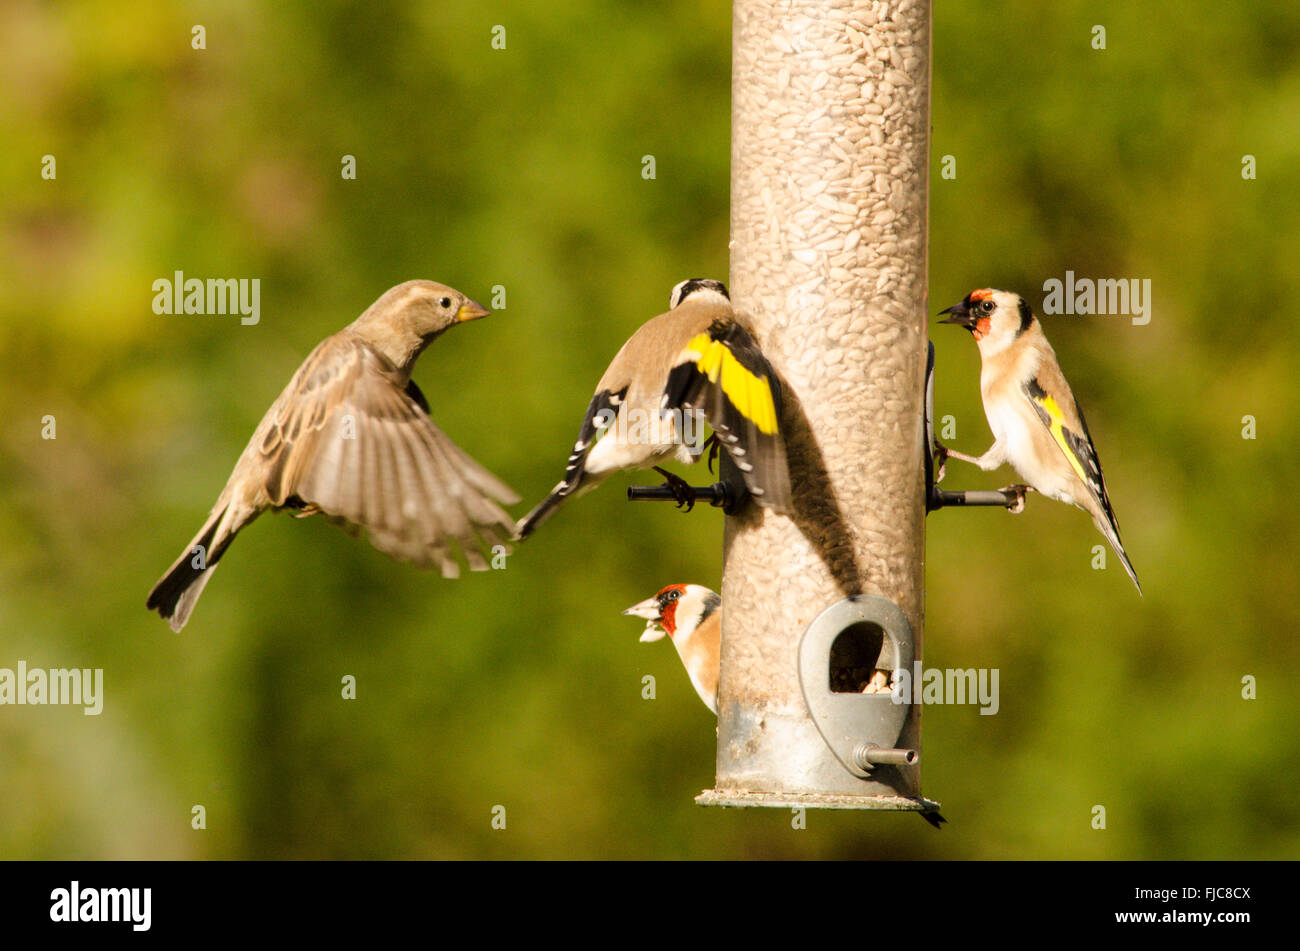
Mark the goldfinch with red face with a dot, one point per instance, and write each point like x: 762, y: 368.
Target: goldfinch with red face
x: 695, y: 359
x: 350, y: 437
x: 689, y: 614
x: 1037, y: 426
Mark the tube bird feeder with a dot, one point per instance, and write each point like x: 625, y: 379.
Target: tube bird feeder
x: 829, y: 176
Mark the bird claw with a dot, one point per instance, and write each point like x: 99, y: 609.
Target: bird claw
x: 1016, y: 506
x: 712, y: 446
x: 299, y: 508
x: 940, y: 461
x: 681, y: 489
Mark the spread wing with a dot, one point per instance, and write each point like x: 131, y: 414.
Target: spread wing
x: 722, y: 371
x: 347, y: 438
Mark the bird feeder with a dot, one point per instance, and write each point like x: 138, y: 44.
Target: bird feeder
x: 829, y: 166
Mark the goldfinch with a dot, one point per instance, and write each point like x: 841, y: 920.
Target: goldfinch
x: 695, y: 359
x: 1037, y: 426
x: 350, y: 437
x: 689, y: 614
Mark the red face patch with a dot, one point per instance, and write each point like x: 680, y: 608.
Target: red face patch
x: 668, y: 599
x: 981, y: 294
x: 669, y: 618
x: 981, y: 328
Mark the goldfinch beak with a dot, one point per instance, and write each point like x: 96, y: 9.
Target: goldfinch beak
x: 648, y: 609
x: 471, y: 311
x: 960, y: 315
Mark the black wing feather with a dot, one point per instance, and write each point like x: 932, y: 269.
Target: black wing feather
x: 603, y: 403
x: 758, y: 455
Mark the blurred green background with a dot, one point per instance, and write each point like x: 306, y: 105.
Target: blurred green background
x: 522, y: 167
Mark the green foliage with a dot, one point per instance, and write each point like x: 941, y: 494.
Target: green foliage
x: 522, y: 167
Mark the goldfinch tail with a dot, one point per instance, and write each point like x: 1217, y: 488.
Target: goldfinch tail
x: 1110, y: 529
x: 529, y: 523
x: 600, y: 413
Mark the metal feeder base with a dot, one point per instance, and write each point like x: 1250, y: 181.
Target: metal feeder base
x: 790, y: 800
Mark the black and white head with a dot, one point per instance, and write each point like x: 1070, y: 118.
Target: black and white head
x: 995, y: 318
x: 698, y: 287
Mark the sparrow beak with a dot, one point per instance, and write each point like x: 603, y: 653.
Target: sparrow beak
x: 471, y: 311
x: 648, y: 609
x: 960, y: 315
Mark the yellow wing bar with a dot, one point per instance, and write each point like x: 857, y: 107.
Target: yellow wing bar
x: 750, y: 394
x: 1055, y: 425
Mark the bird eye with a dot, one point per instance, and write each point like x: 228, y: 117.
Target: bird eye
x: 674, y: 595
x: 987, y: 306
x: 445, y: 303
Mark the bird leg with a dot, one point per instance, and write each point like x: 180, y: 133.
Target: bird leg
x: 941, y: 454
x: 994, y: 457
x: 1017, y: 506
x: 680, y: 488
x: 300, y: 508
